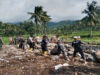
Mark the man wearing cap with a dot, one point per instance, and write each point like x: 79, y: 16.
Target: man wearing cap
x: 77, y: 48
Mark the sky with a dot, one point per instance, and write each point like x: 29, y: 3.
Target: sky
x: 16, y: 10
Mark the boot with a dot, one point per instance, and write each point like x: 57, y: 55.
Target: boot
x: 31, y: 49
x: 17, y: 45
x: 45, y: 53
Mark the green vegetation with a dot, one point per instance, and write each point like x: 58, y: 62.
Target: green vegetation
x: 69, y: 37
x: 67, y: 29
x: 95, y: 39
x: 40, y: 18
x: 5, y: 40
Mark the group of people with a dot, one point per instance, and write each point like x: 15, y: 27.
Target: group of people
x: 76, y: 44
x: 19, y: 41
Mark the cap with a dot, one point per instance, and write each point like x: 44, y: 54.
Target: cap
x: 76, y: 37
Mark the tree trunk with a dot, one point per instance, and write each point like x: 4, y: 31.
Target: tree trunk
x: 91, y: 32
x: 36, y: 27
x: 45, y: 27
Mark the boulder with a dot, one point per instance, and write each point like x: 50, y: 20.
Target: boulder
x: 55, y: 57
x: 96, y: 56
x: 70, y: 53
x: 89, y: 57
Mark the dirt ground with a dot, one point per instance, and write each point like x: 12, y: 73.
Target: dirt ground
x: 14, y: 61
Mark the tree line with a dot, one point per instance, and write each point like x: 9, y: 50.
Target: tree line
x: 38, y: 23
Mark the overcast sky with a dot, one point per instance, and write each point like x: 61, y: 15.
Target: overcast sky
x: 16, y: 10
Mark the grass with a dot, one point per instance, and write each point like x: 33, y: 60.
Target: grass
x: 89, y: 40
x: 67, y: 38
x: 5, y: 40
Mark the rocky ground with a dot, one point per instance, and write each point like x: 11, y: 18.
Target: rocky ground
x: 15, y: 61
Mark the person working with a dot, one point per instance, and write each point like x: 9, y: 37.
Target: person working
x: 77, y: 48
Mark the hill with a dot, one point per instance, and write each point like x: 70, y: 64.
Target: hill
x: 61, y: 23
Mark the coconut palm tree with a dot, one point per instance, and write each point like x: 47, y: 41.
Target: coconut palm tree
x: 92, y: 17
x: 36, y: 15
x: 44, y: 19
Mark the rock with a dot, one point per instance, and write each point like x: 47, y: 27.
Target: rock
x: 70, y: 53
x: 58, y: 66
x: 38, y: 46
x: 65, y: 64
x: 18, y: 57
x: 87, y: 51
x: 51, y: 44
x: 61, y: 65
x: 97, y: 56
x: 67, y: 46
x: 3, y: 60
x: 54, y: 57
x: 89, y: 57
x: 93, y: 51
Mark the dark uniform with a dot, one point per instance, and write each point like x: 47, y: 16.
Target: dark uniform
x: 78, y: 48
x: 44, y: 45
x: 21, y: 43
x: 31, y: 42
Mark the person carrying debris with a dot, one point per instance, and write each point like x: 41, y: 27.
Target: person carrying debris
x: 59, y: 48
x: 77, y: 48
x: 31, y: 43
x: 1, y: 43
x: 44, y: 45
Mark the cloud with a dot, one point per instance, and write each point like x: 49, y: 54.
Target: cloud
x: 16, y: 10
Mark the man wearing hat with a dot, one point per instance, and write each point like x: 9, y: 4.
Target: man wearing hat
x: 77, y: 48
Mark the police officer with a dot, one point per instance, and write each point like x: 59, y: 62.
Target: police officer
x: 77, y: 48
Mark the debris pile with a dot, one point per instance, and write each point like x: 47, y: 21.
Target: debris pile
x: 15, y: 61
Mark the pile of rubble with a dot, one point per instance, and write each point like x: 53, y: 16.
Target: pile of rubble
x: 15, y: 61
